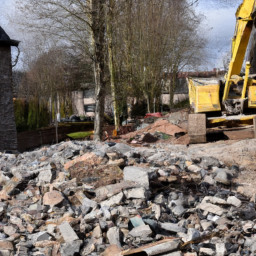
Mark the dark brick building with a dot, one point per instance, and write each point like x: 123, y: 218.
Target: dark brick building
x: 8, y: 133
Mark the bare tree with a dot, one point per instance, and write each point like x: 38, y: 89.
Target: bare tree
x: 80, y: 24
x: 136, y: 39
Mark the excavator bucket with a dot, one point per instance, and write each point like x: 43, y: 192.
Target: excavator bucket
x: 204, y: 95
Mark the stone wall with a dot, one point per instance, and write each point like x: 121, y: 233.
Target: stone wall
x: 8, y: 133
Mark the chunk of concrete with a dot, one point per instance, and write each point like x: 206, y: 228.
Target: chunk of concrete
x: 164, y: 248
x: 136, y: 222
x: 222, y: 177
x: 3, y: 207
x: 113, y: 201
x: 40, y: 236
x: 52, y: 198
x: 234, y: 201
x: 141, y: 231
x: 211, y: 208
x: 220, y: 249
x: 206, y: 251
x: 88, y: 202
x: 45, y: 176
x: 112, y: 250
x: 193, y: 234
x: 9, y: 230
x: 105, y: 192
x: 178, y: 210
x: 6, y: 245
x: 67, y: 232
x: 119, y: 148
x: 135, y: 193
x: 106, y: 212
x: 140, y: 175
x: 69, y: 249
x: 214, y: 200
x: 172, y: 227
x: 113, y: 236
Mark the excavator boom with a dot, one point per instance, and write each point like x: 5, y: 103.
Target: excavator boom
x: 244, y: 25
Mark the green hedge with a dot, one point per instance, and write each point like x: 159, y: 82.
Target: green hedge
x: 30, y: 115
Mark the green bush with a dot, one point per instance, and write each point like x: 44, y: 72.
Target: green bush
x: 43, y: 115
x: 33, y: 112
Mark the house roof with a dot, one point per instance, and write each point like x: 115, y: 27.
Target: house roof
x: 5, y: 39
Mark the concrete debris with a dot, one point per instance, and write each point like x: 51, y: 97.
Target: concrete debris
x: 156, y: 129
x: 86, y: 198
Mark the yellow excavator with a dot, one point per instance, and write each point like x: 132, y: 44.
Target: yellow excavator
x: 236, y: 95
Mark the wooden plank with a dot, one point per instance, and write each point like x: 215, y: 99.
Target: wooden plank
x: 254, y: 126
x: 239, y: 135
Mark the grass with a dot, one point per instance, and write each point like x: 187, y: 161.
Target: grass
x: 79, y: 135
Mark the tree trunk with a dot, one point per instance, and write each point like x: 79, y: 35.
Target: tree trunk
x: 148, y: 103
x: 111, y: 63
x: 172, y: 89
x: 55, y: 115
x: 98, y: 42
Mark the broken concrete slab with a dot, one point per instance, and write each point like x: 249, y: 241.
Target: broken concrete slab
x: 211, y: 208
x: 172, y: 227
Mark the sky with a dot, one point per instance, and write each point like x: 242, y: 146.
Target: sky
x: 219, y: 22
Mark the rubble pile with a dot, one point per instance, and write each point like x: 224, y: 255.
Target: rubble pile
x: 82, y: 198
x: 160, y: 129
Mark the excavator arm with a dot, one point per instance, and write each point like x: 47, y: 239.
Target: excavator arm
x: 244, y: 25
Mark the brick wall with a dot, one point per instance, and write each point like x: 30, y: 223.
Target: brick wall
x: 8, y: 133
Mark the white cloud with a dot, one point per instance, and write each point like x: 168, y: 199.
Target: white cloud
x: 221, y: 22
